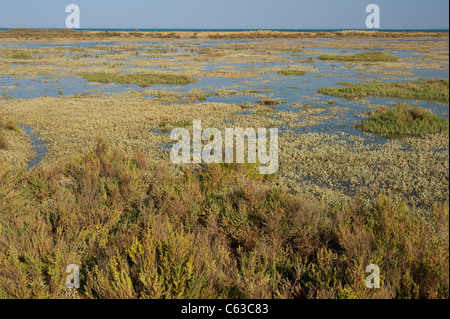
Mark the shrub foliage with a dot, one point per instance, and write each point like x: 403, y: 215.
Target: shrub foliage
x: 139, y: 230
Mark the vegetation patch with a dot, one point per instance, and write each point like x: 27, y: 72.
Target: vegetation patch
x: 268, y: 102
x: 8, y: 125
x: 436, y: 90
x: 404, y: 120
x: 218, y: 231
x: 182, y: 123
x: 3, y: 141
x: 21, y: 56
x: 308, y: 106
x: 375, y: 56
x: 139, y: 79
x: 82, y: 35
x: 291, y: 72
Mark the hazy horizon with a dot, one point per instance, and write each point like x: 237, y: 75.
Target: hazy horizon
x: 231, y: 29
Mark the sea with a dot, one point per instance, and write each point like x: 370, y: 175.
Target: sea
x: 243, y: 30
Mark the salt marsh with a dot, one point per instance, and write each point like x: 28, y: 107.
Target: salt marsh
x: 53, y: 95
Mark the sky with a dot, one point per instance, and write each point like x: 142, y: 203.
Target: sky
x: 226, y: 14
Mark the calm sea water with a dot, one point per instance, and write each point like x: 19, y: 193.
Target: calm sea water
x: 240, y: 30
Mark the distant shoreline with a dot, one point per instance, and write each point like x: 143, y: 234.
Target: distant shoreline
x: 443, y: 30
x: 66, y: 35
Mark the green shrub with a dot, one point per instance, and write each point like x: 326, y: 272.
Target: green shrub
x: 374, y: 56
x: 404, y: 120
x: 437, y: 90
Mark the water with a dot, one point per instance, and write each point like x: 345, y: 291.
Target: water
x: 244, y: 30
x: 288, y: 89
x: 39, y: 147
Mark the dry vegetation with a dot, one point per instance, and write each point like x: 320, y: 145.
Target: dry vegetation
x: 143, y: 80
x: 214, y: 232
x: 15, y: 146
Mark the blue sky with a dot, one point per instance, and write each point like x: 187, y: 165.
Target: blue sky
x: 223, y: 14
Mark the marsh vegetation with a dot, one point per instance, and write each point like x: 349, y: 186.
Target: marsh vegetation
x: 437, y: 90
x: 139, y: 79
x: 404, y: 120
x: 107, y: 198
x: 218, y: 231
x: 291, y: 72
x: 373, y: 56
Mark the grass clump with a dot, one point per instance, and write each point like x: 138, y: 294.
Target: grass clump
x: 3, y: 141
x: 375, y: 56
x: 139, y: 79
x: 435, y: 90
x: 10, y: 125
x: 5, y: 95
x: 307, y: 106
x: 268, y: 102
x: 291, y: 72
x: 138, y: 231
x: 21, y: 56
x: 404, y: 120
x: 182, y: 123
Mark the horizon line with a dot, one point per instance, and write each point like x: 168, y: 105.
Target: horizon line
x: 224, y: 29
